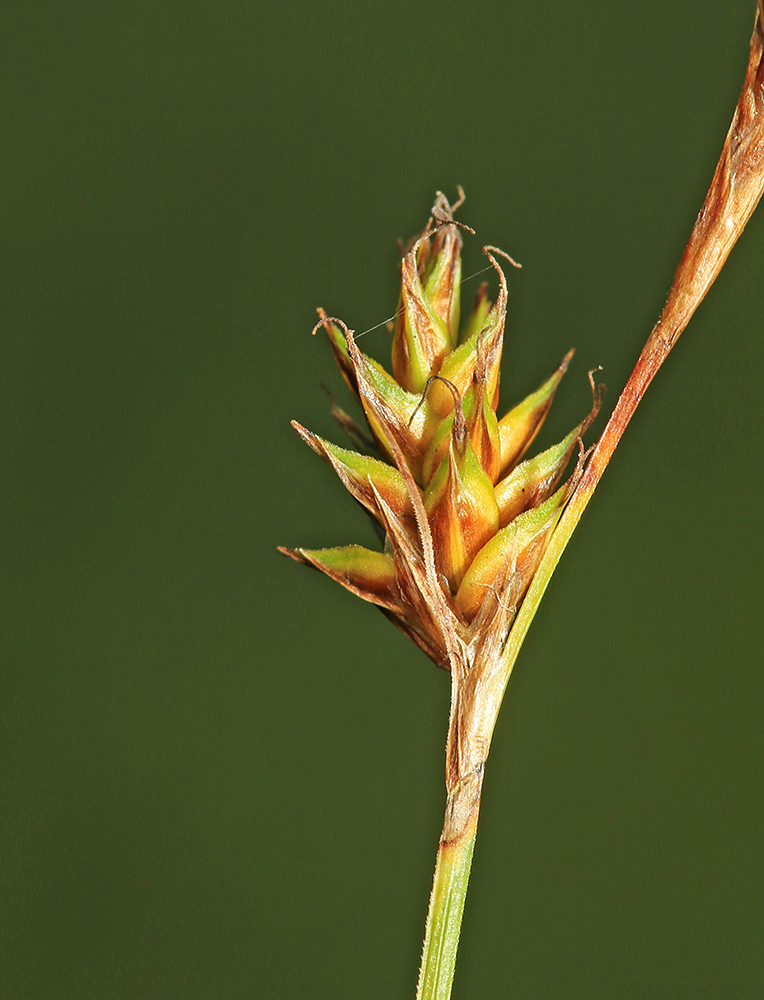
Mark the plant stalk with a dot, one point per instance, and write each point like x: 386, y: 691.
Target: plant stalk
x: 444, y: 918
x: 735, y: 190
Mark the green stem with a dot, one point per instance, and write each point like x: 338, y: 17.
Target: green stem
x: 735, y: 190
x: 444, y: 919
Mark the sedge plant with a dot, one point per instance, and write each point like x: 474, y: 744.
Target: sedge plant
x: 471, y: 527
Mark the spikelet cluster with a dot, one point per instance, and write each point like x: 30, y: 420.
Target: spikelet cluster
x: 465, y: 517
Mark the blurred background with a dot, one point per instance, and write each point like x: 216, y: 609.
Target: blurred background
x: 222, y: 776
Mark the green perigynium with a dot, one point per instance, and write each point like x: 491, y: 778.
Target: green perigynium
x: 465, y: 519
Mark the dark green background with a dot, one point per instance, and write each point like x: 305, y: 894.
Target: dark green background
x: 221, y: 775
